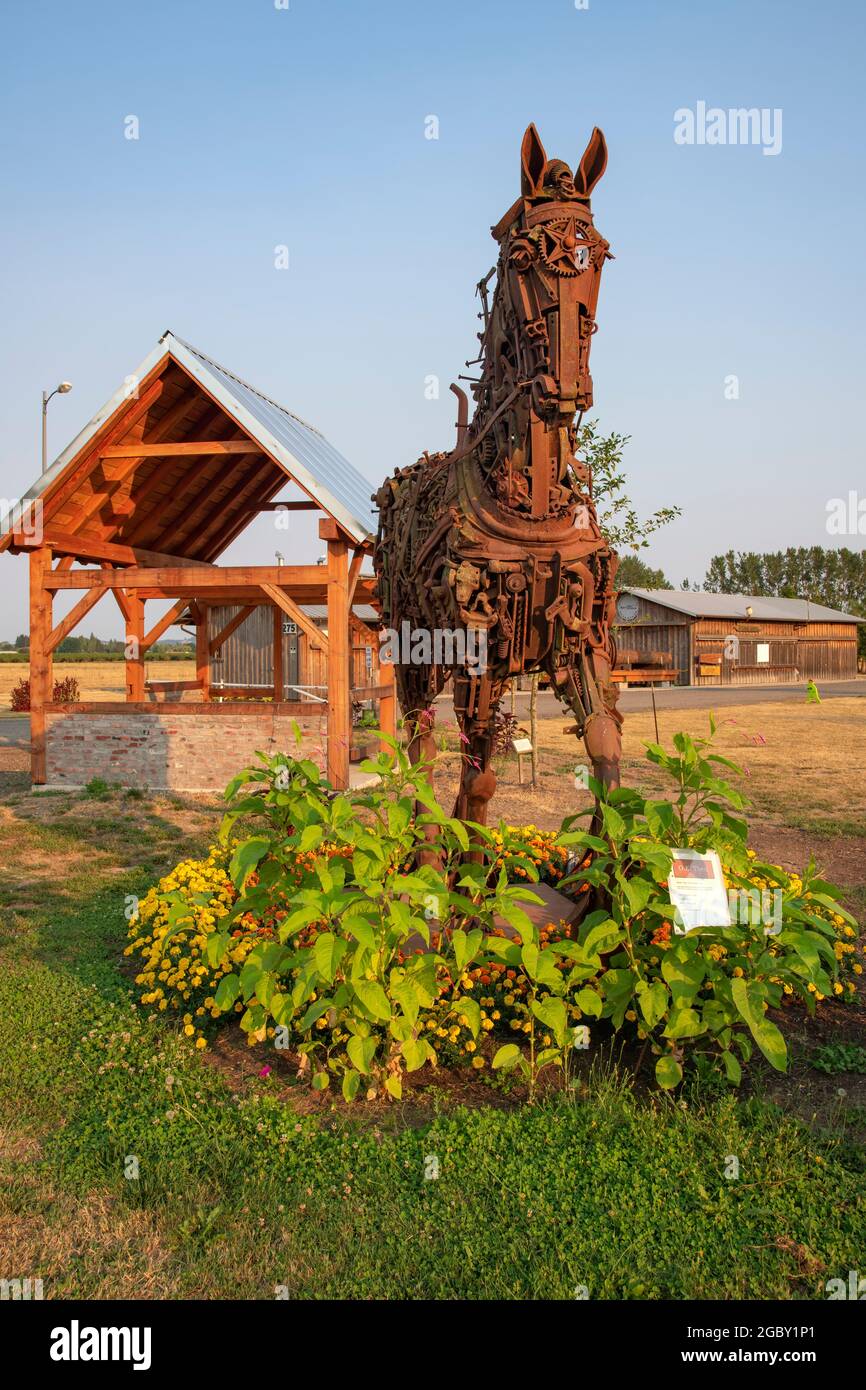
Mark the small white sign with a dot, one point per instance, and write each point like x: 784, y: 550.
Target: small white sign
x: 522, y: 745
x: 697, y: 889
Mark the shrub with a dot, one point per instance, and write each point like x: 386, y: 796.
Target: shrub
x: 506, y: 728
x: 20, y: 698
x: 66, y: 692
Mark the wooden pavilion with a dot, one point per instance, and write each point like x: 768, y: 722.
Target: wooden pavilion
x: 140, y: 506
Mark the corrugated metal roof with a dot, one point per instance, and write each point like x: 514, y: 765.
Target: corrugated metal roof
x: 303, y: 451
x: 701, y: 605
x: 317, y: 465
x: 319, y: 612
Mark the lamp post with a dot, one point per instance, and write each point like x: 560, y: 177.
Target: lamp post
x: 46, y: 397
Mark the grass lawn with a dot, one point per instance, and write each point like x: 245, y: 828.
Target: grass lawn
x: 242, y: 1188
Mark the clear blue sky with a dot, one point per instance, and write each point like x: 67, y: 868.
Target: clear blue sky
x: 262, y: 126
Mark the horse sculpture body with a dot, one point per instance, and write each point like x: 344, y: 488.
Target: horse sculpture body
x: 500, y: 536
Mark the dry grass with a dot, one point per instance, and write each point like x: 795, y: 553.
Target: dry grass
x: 96, y: 1245
x: 803, y: 764
x: 98, y: 680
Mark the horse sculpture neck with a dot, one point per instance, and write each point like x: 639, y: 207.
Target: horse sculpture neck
x: 536, y: 337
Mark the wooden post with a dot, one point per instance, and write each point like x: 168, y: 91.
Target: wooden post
x: 278, y: 654
x: 339, y: 702
x: 41, y: 664
x: 202, y: 652
x: 134, y: 646
x: 533, y: 725
x: 387, y: 703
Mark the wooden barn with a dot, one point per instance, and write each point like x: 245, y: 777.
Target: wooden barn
x: 734, y: 639
x: 139, y: 507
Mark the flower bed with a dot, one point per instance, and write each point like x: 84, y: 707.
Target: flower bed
x: 323, y: 934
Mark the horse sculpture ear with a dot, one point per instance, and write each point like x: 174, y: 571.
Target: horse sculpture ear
x: 533, y: 161
x: 592, y: 165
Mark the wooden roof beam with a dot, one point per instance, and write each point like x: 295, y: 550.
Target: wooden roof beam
x: 90, y: 548
x: 205, y: 498
x: 174, y: 615
x: 215, y: 420
x: 184, y: 447
x: 314, y: 634
x: 55, y: 497
x: 73, y: 618
x: 163, y: 427
x: 265, y: 480
x: 205, y: 579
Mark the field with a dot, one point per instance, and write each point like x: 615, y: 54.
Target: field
x: 247, y: 1184
x: 97, y: 680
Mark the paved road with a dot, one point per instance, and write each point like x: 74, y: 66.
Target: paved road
x: 689, y: 697
x: 15, y: 729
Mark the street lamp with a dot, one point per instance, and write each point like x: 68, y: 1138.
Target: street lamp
x: 46, y: 397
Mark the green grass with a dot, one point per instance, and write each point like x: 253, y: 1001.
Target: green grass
x: 241, y: 1194
x: 833, y: 1058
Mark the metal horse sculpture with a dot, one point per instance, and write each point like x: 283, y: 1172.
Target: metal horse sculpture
x: 500, y: 536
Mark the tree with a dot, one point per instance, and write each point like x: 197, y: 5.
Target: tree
x: 633, y: 573
x: 617, y: 516
x: 835, y: 577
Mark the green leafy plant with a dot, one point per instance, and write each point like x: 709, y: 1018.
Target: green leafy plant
x: 363, y: 950
x: 839, y: 1057
x: 707, y: 991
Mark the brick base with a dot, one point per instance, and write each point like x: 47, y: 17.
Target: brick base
x: 163, y: 749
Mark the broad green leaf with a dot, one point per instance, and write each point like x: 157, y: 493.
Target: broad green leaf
x: 552, y: 1013
x: 653, y: 1002
x: 471, y: 1011
x: 589, y: 1003
x: 374, y: 998
x: 227, y: 992
x: 245, y: 859
x: 684, y: 1023
x: 328, y: 951
x: 361, y: 1052
x: 669, y: 1073
x: 507, y: 1057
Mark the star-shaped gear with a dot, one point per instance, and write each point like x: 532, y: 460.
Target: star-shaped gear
x: 563, y: 248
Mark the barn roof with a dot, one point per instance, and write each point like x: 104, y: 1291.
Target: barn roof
x: 192, y: 505
x: 701, y: 605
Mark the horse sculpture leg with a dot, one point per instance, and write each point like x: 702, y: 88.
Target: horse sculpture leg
x: 588, y: 691
x: 476, y: 716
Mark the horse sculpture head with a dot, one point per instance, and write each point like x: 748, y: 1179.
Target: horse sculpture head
x: 537, y: 332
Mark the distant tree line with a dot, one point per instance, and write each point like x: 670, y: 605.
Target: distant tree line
x: 834, y: 577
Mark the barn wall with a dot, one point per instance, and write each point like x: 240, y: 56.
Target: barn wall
x: 180, y: 748
x: 247, y: 656
x: 798, y: 651
x: 658, y: 629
